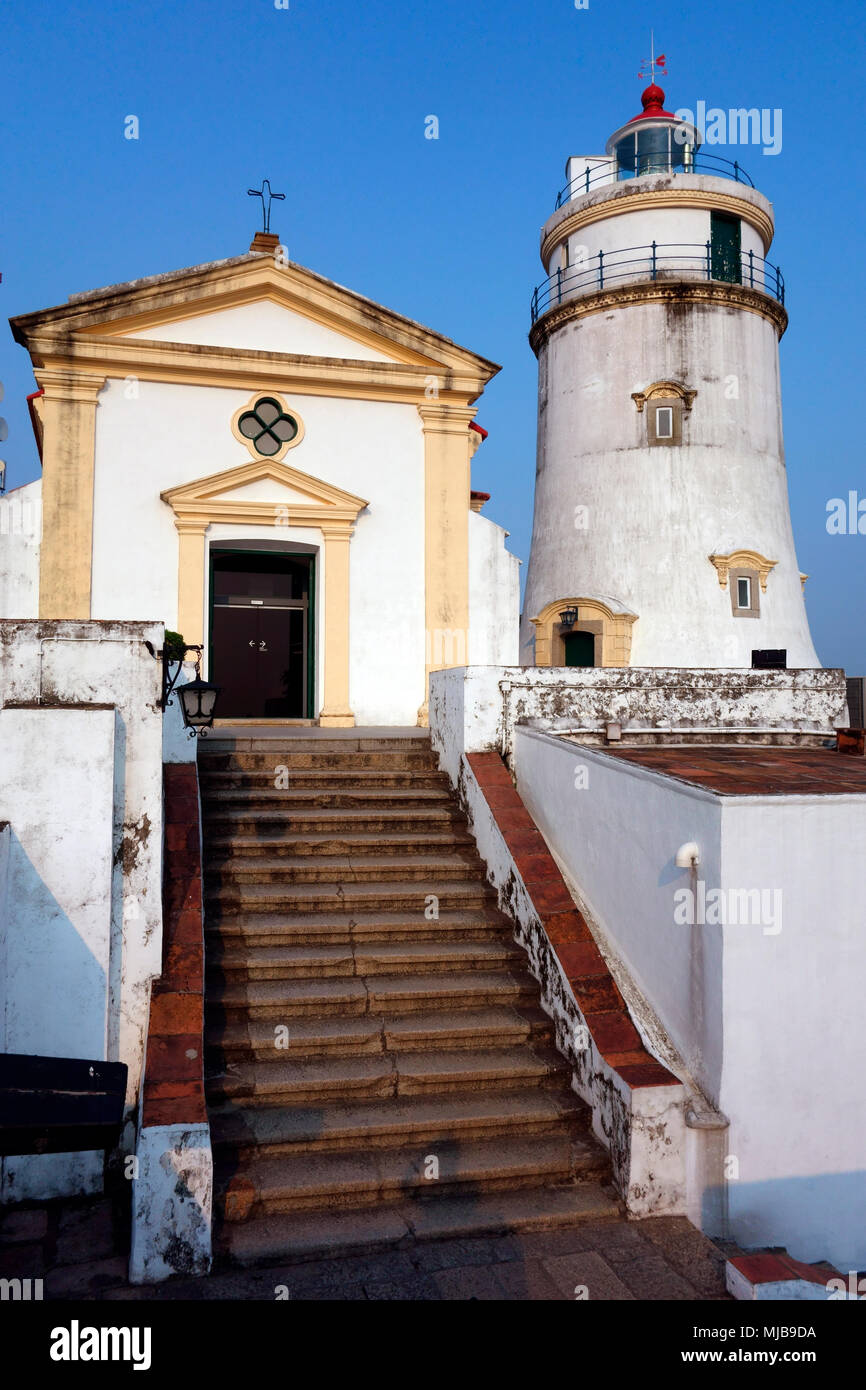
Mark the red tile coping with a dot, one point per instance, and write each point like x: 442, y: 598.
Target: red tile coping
x: 753, y: 770
x: 777, y: 1266
x: 174, y: 1066
x: 571, y: 940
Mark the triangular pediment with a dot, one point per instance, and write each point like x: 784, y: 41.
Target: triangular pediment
x: 248, y: 305
x: 263, y: 325
x: 263, y: 492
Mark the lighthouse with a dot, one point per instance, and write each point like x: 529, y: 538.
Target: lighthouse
x: 661, y: 531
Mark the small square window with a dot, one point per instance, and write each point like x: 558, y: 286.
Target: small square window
x: 744, y: 593
x: 664, y: 422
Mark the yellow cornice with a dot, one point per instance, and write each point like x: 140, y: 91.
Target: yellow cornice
x: 248, y: 369
x: 650, y: 200
x: 658, y: 292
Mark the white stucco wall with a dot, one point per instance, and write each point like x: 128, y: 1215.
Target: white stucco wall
x: 795, y: 1053
x: 166, y: 435
x: 57, y: 772
x: 81, y: 789
x: 264, y: 327
x: 494, y: 595
x: 20, y: 536
x: 681, y: 235
x: 765, y: 1015
x: 617, y: 828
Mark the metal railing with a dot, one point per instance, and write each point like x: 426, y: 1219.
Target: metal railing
x: 658, y: 260
x: 691, y: 162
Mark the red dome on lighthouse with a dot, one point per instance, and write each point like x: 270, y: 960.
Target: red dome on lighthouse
x: 653, y: 100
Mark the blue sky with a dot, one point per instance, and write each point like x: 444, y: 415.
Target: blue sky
x: 329, y: 101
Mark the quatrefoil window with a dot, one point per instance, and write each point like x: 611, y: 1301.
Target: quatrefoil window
x: 268, y: 427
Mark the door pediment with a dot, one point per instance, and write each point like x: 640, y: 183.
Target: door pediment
x: 263, y: 493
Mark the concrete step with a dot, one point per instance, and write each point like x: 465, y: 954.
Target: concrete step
x: 382, y: 958
x: 280, y: 842
x: 299, y: 779
x: 329, y: 1034
x: 341, y: 1180
x: 351, y: 1037
x: 436, y: 818
x: 342, y: 1079
x: 282, y: 999
x: 395, y: 1121
x: 337, y: 869
x: 250, y: 736
x: 264, y: 760
x: 353, y: 897
x: 234, y: 926
x: 298, y: 1236
x: 348, y: 796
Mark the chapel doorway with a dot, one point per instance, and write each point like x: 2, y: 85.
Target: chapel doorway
x: 261, y: 633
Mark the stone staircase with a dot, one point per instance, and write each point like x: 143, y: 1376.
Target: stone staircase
x: 377, y: 1063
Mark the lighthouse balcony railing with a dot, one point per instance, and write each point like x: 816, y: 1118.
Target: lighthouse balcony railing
x: 658, y: 261
x: 683, y: 160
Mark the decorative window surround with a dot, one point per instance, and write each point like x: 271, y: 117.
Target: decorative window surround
x: 240, y: 422
x: 743, y: 559
x: 665, y: 390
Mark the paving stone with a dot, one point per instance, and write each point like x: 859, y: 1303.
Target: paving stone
x: 22, y: 1262
x: 564, y: 1240
x: 387, y: 1268
x: 470, y: 1281
x: 415, y: 1288
x: 525, y: 1281
x: 86, y: 1233
x: 652, y: 1278
x: 86, y: 1280
x: 690, y: 1253
x: 451, y: 1254
x: 29, y: 1224
x: 586, y: 1269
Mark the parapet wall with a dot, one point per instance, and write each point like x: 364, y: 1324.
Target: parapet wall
x: 477, y: 708
x: 80, y: 900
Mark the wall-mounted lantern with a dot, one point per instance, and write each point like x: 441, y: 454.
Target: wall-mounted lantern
x: 197, y: 697
x: 197, y: 701
x: 568, y: 617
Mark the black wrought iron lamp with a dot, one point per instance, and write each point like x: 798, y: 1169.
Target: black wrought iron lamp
x: 197, y: 701
x: 568, y: 617
x: 197, y: 697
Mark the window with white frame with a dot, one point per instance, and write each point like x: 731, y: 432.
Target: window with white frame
x: 664, y: 422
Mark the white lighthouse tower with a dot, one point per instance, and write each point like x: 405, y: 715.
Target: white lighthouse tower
x: 661, y: 534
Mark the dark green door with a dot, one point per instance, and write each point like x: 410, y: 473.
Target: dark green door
x: 579, y: 649
x: 725, y: 247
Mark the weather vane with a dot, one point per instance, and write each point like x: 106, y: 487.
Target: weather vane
x: 266, y: 206
x: 653, y: 63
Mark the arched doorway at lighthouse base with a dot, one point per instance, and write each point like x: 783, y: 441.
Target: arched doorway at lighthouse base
x: 600, y: 634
